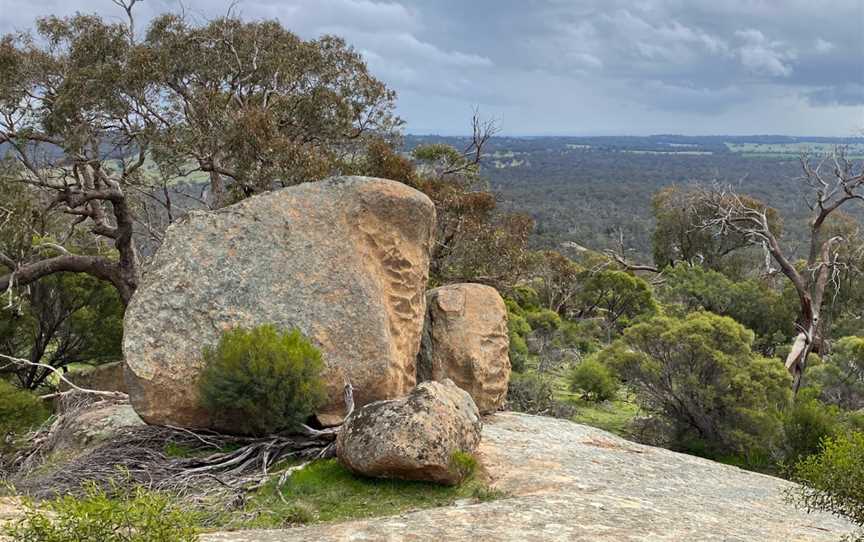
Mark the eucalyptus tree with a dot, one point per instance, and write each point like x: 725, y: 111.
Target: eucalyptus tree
x: 99, y: 126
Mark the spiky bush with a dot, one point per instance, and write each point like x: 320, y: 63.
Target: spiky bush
x: 268, y: 378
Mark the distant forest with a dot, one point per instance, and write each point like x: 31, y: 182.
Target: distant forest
x: 588, y: 190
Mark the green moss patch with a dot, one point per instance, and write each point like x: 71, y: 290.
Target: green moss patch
x: 325, y: 491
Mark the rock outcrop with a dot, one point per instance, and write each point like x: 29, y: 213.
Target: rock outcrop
x: 569, y: 482
x: 106, y: 377
x: 344, y: 260
x: 92, y: 425
x: 419, y: 437
x: 465, y: 339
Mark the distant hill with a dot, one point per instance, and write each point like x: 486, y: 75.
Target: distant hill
x: 583, y: 189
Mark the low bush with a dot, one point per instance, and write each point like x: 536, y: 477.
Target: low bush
x: 533, y: 393
x: 269, y: 378
x: 833, y: 480
x: 518, y: 330
x: 840, y: 378
x: 593, y: 380
x: 584, y: 336
x: 530, y: 392
x: 138, y: 515
x: 805, y: 425
x: 464, y: 463
x: 20, y: 411
x: 543, y: 320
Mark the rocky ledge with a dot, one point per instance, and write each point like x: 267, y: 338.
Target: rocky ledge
x: 572, y: 482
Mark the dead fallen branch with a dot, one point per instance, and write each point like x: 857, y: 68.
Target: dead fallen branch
x: 20, y: 362
x: 209, y: 464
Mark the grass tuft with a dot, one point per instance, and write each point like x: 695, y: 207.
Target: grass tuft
x: 325, y: 491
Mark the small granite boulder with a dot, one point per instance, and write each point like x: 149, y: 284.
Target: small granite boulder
x: 343, y: 260
x: 465, y: 339
x: 92, y: 425
x: 418, y: 437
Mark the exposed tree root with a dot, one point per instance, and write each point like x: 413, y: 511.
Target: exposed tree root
x: 212, y: 464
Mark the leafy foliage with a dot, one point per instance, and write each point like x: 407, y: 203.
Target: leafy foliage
x: 615, y: 296
x: 833, y: 480
x: 136, y: 515
x: 699, y: 375
x: 518, y: 330
x: 531, y: 393
x: 806, y: 423
x: 593, y: 380
x: 62, y: 319
x: 753, y: 303
x: 464, y: 463
x: 269, y: 379
x: 839, y: 379
x: 20, y: 411
x: 543, y: 320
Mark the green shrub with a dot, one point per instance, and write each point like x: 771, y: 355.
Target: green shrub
x: 526, y: 297
x: 464, y: 463
x: 617, y: 297
x: 517, y: 330
x: 269, y: 378
x: 700, y: 376
x: 518, y: 354
x: 20, y: 411
x: 805, y: 425
x: 583, y: 335
x: 543, y: 320
x: 840, y: 378
x: 534, y: 393
x: 593, y: 380
x: 833, y: 480
x: 139, y: 515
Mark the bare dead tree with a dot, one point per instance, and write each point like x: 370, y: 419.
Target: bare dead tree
x: 618, y: 255
x: 830, y: 182
x: 127, y: 6
x: 482, y: 130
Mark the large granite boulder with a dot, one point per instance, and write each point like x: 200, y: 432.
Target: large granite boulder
x: 344, y: 260
x: 418, y: 437
x: 465, y: 339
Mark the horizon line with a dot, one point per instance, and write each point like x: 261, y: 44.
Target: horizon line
x: 798, y: 136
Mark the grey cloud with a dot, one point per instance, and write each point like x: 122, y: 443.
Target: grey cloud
x: 850, y: 94
x: 572, y: 65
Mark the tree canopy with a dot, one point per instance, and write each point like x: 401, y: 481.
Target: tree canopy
x: 699, y: 375
x: 101, y: 126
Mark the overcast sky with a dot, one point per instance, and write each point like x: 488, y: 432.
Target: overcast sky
x: 582, y: 67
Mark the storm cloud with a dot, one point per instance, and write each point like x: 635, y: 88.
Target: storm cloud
x: 581, y: 67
